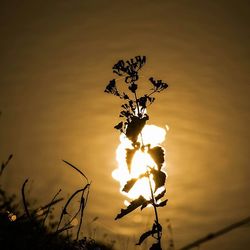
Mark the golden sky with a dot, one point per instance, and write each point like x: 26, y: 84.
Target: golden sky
x: 56, y: 59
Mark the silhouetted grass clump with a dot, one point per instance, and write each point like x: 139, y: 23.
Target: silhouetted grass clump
x: 33, y: 228
x: 32, y: 234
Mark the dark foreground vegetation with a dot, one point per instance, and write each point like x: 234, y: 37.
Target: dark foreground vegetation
x: 26, y: 227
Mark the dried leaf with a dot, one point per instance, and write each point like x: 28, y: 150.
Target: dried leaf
x: 151, y: 99
x: 119, y: 68
x: 162, y: 204
x: 130, y: 67
x: 143, y: 101
x: 132, y: 182
x: 156, y: 246
x: 134, y: 127
x: 125, y: 113
x: 159, y: 178
x: 157, y: 153
x: 158, y: 197
x: 155, y: 228
x: 133, y: 77
x: 111, y: 88
x: 158, y: 84
x: 133, y: 87
x: 125, y: 106
x: 133, y: 205
x: 144, y: 236
x: 129, y: 185
x: 119, y: 126
x: 141, y: 60
x: 125, y: 96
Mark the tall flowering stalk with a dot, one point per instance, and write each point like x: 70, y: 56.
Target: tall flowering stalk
x: 134, y: 118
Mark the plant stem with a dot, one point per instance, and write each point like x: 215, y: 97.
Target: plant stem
x: 138, y: 110
x: 68, y: 202
x: 50, y: 204
x: 136, y: 101
x: 83, y: 205
x: 155, y: 210
x: 150, y: 184
x: 152, y: 93
x: 24, y: 200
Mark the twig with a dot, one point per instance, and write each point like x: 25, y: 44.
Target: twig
x: 52, y: 203
x: 73, y: 217
x: 47, y: 213
x: 77, y: 212
x: 83, y: 205
x: 136, y: 101
x: 67, y: 203
x: 78, y: 170
x: 24, y: 200
x: 216, y: 234
x: 4, y: 164
x: 155, y: 210
x: 81, y: 216
x: 63, y: 229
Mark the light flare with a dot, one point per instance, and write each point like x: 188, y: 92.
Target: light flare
x: 140, y: 164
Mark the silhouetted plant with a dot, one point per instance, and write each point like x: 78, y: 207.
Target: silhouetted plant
x: 84, y: 193
x: 27, y: 230
x: 4, y: 164
x: 134, y: 118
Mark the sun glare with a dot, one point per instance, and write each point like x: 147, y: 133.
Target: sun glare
x: 152, y: 135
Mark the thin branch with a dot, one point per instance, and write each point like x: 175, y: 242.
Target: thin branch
x: 4, y: 164
x: 78, y: 170
x: 138, y: 110
x: 155, y: 210
x: 81, y: 216
x: 83, y: 205
x: 67, y: 203
x: 52, y: 203
x: 46, y: 215
x: 81, y: 209
x: 24, y: 200
x: 137, y: 105
x: 154, y: 91
x: 73, y: 217
x: 63, y: 229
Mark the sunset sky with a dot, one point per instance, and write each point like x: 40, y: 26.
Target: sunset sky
x: 56, y: 58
